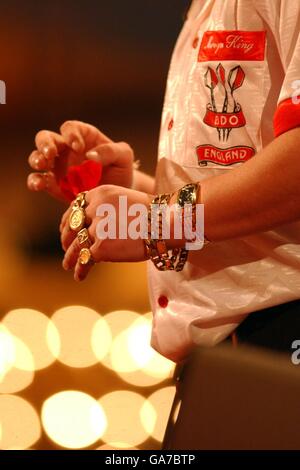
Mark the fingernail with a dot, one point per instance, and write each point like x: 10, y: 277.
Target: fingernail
x: 75, y: 145
x: 45, y: 150
x: 93, y: 155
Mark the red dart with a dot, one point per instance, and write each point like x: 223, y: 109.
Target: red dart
x: 221, y: 73
x: 236, y: 78
x: 211, y: 81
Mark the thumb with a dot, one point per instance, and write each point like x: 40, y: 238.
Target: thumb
x: 114, y: 153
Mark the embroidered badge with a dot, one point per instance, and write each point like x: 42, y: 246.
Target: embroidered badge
x: 224, y: 112
x: 232, y: 45
x: 228, y: 156
x: 230, y: 116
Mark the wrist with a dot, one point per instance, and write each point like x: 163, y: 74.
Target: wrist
x: 175, y: 219
x: 187, y: 218
x: 164, y: 258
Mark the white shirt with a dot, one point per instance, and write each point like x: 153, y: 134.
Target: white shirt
x: 233, y: 68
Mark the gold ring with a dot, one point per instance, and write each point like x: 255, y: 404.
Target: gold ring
x: 83, y: 238
x: 77, y: 216
x: 85, y: 257
x: 80, y: 200
x: 77, y: 219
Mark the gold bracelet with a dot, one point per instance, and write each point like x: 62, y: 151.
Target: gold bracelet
x: 190, y: 194
x: 156, y: 248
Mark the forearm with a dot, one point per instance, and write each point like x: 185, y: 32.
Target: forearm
x: 143, y: 182
x: 257, y: 196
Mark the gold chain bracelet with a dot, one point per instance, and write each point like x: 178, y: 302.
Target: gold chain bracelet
x: 156, y: 247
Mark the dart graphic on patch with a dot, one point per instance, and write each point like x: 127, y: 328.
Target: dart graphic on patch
x: 230, y: 115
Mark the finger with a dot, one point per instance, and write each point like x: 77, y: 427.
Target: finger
x: 65, y: 230
x: 45, y: 182
x: 67, y: 234
x: 36, y: 182
x: 67, y: 237
x: 81, y: 271
x: 50, y: 144
x: 82, y: 136
x: 72, y: 253
x: 65, y: 218
x: 71, y: 133
x: 37, y: 161
x: 114, y: 153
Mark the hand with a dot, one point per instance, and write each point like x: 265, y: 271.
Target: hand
x: 105, y: 249
x: 76, y: 142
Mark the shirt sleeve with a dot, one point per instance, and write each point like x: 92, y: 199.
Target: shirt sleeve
x: 287, y: 115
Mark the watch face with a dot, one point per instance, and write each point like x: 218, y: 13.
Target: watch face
x: 186, y: 195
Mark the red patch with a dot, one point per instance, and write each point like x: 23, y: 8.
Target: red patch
x: 195, y: 42
x: 229, y: 156
x: 287, y: 115
x: 163, y: 301
x: 232, y: 45
x: 170, y: 125
x: 224, y: 120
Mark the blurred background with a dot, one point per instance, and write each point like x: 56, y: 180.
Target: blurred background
x: 76, y: 369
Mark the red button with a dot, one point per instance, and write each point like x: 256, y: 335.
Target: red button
x: 170, y: 124
x: 163, y: 301
x: 195, y: 42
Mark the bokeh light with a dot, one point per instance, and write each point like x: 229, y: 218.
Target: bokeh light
x: 7, y: 351
x: 118, y: 322
x: 160, y: 401
x: 152, y: 363
x: 139, y: 336
x: 131, y: 354
x: 73, y: 419
x: 101, y: 339
x: 19, y: 423
x: 20, y: 374
x: 75, y: 325
x: 79, y: 337
x: 34, y: 329
x: 124, y: 425
x: 16, y: 363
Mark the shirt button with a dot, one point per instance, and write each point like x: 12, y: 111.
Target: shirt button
x: 170, y: 125
x: 195, y: 42
x: 163, y: 301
